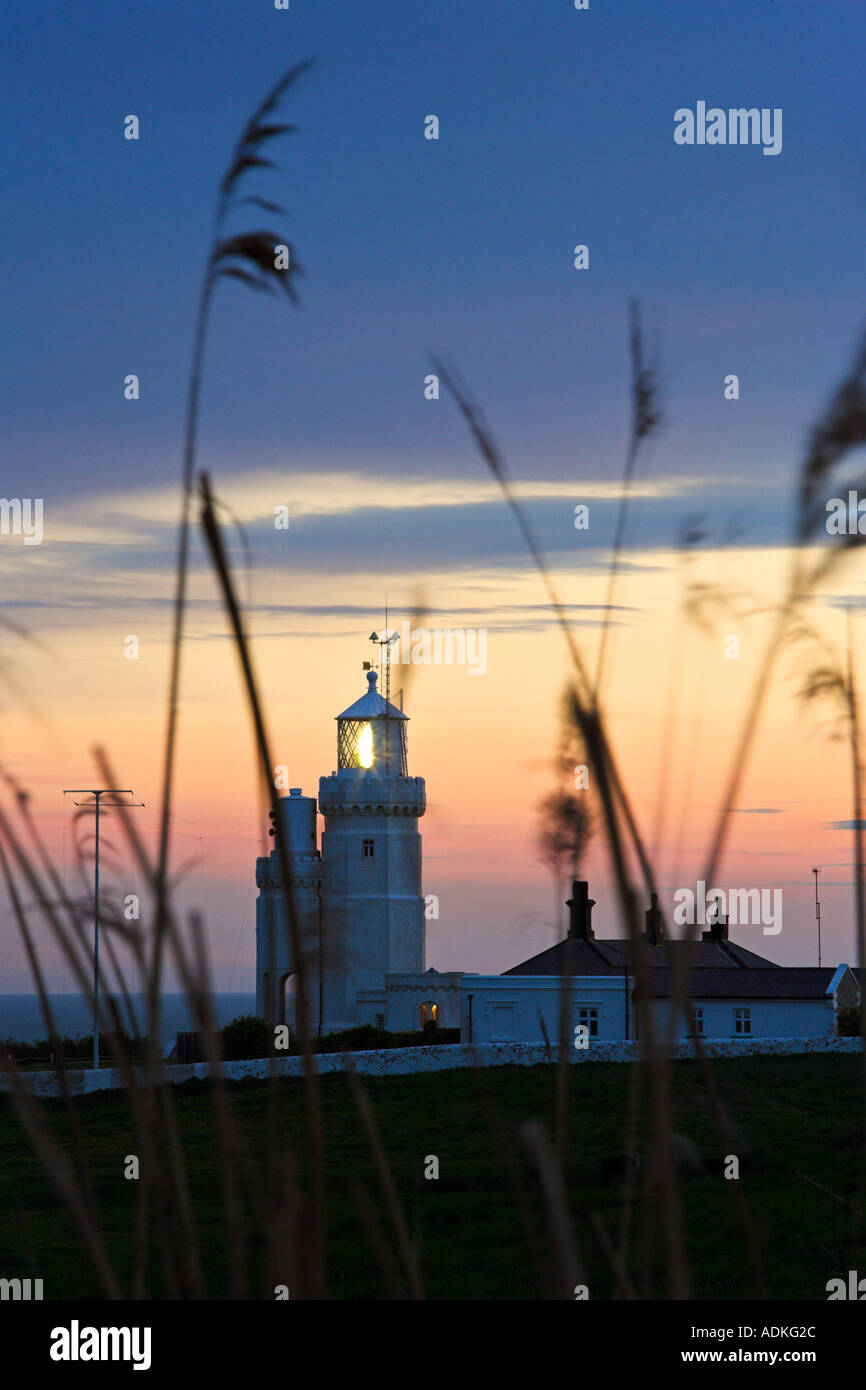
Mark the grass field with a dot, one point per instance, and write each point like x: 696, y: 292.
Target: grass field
x: 798, y: 1122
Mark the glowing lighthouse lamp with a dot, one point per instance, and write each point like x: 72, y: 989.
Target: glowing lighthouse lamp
x: 365, y: 746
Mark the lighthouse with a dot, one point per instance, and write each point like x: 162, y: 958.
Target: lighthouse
x: 373, y: 908
x: 357, y: 899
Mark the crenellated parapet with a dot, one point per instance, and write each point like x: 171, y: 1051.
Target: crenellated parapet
x: 350, y: 792
x: 306, y: 870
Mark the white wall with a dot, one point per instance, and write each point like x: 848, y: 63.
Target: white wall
x: 513, y: 1008
x: 406, y: 1060
x: 407, y: 992
x: 508, y: 1008
x: 776, y: 1018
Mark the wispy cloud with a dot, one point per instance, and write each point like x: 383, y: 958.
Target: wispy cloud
x: 253, y: 496
x: 118, y: 548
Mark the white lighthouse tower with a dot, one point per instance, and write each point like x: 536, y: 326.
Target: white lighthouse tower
x: 358, y: 902
x: 372, y: 905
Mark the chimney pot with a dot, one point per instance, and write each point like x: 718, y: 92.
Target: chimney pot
x: 655, y: 932
x: 580, y: 906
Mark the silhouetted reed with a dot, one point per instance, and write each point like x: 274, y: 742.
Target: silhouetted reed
x: 278, y: 1202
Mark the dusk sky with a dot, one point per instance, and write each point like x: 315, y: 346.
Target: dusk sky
x: 556, y: 129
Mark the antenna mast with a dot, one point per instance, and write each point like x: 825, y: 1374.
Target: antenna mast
x: 384, y: 641
x: 818, y: 912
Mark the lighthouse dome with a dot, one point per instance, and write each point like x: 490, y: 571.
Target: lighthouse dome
x: 372, y: 705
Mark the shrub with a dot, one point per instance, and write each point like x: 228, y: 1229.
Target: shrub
x: 429, y: 1037
x: 360, y: 1039
x: 848, y: 1021
x: 366, y: 1037
x: 245, y: 1038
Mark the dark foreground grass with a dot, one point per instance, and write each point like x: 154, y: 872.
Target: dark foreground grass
x: 798, y: 1128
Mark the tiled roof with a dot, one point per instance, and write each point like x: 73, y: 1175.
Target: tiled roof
x: 788, y: 982
x: 612, y: 957
x: 718, y: 969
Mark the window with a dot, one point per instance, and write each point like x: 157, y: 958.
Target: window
x: 588, y: 1019
x: 423, y: 1014
x: 434, y: 1012
x: 742, y: 1020
x: 503, y: 1023
x: 369, y: 849
x: 698, y: 1022
x: 380, y: 1022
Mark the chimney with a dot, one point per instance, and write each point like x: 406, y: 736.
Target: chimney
x: 580, y: 906
x: 718, y: 927
x: 655, y: 931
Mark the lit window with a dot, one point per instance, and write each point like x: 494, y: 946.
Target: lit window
x: 742, y: 1020
x: 369, y: 848
x: 434, y: 1012
x: 423, y: 1014
x: 588, y: 1018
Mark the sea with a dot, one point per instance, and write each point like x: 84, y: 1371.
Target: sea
x: 21, y: 1014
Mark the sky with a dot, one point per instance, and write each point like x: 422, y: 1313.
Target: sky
x: 555, y: 129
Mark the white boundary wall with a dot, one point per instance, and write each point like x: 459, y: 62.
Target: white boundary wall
x: 402, y: 1061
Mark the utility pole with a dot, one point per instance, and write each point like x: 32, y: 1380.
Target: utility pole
x: 818, y: 912
x: 97, y: 793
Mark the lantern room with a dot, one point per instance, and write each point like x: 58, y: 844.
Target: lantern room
x: 371, y: 735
